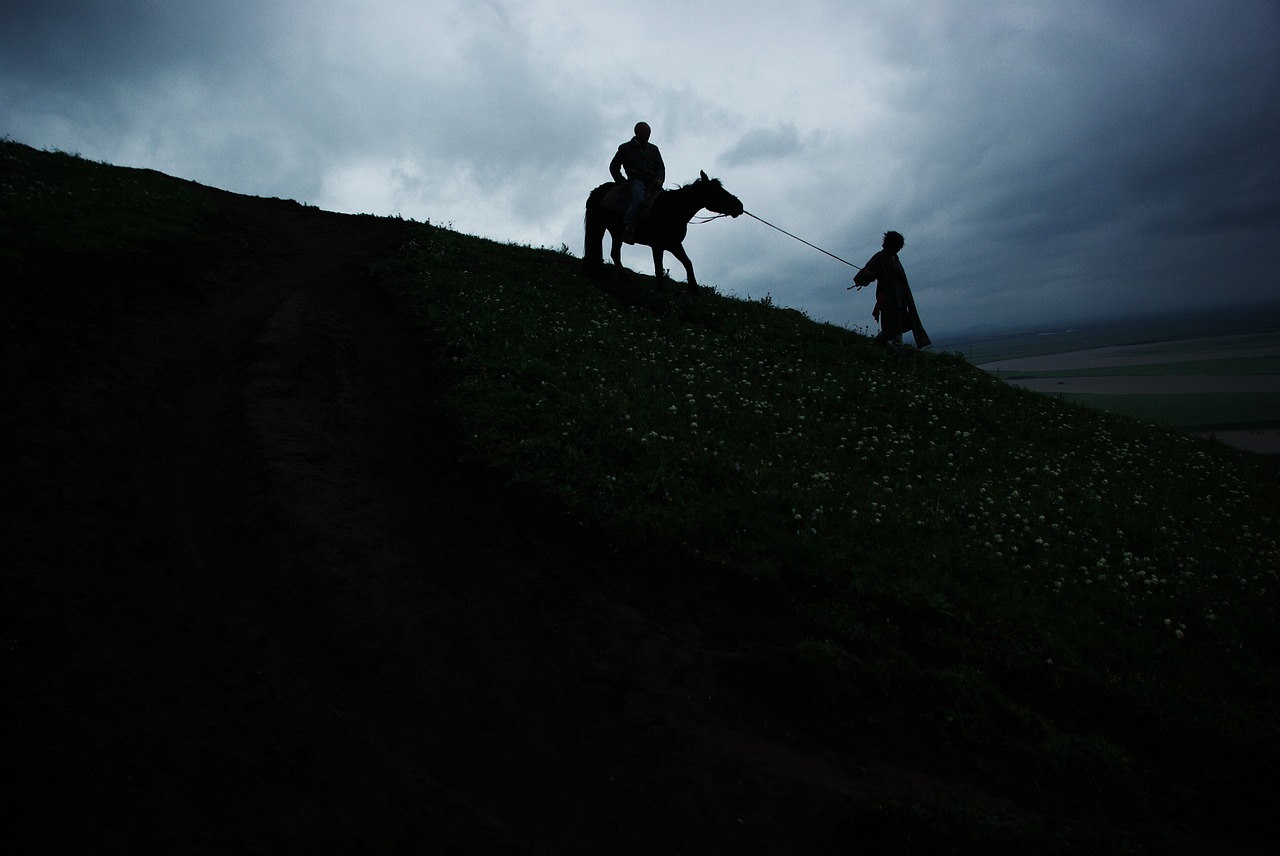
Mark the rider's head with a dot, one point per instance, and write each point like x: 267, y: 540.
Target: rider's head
x: 642, y: 132
x: 893, y: 241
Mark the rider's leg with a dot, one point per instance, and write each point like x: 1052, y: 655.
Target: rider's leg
x: 633, y: 210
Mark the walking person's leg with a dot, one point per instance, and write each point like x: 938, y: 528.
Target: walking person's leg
x: 892, y: 324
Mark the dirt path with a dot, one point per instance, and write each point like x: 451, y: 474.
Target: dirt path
x: 259, y: 606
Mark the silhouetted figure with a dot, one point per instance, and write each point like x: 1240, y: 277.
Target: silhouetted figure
x: 645, y: 171
x: 895, y: 307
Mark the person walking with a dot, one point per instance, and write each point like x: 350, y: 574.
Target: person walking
x: 644, y: 172
x: 895, y: 306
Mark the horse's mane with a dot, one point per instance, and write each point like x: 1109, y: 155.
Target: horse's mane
x: 714, y: 181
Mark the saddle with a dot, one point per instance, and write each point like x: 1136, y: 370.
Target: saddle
x: 619, y: 197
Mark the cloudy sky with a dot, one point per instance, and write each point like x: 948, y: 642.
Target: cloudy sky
x: 1047, y: 161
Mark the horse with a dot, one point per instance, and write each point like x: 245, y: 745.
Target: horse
x: 663, y: 229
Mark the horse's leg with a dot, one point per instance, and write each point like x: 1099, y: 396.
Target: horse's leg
x: 593, y: 244
x: 658, y: 250
x: 678, y: 251
x: 597, y: 223
x: 615, y: 252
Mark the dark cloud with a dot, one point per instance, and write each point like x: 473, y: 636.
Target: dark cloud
x: 1042, y: 160
x: 779, y: 142
x: 95, y: 45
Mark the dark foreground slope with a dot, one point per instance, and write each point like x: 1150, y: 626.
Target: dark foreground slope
x: 254, y: 601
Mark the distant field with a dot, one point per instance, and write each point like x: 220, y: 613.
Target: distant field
x: 1169, y: 381
x: 1162, y: 333
x: 1264, y: 365
x: 1192, y: 412
x: 1211, y: 344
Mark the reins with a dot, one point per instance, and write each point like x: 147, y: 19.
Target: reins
x: 801, y: 240
x: 701, y: 220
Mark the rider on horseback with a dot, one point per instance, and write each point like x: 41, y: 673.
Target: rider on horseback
x: 645, y: 171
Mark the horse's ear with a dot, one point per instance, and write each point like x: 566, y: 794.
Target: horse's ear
x: 704, y: 175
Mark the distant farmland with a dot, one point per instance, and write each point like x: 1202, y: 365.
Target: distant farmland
x: 1223, y: 385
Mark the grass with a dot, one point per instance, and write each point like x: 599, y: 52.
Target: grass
x: 53, y: 205
x: 972, y: 556
x: 1070, y: 614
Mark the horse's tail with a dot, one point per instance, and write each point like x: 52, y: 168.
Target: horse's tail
x: 594, y: 199
x: 593, y: 227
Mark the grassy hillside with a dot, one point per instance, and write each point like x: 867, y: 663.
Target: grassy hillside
x: 1061, y: 624
x: 53, y: 205
x: 1060, y: 604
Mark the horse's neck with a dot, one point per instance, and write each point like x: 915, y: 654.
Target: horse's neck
x: 683, y: 202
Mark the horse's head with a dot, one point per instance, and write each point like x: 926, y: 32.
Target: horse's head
x: 716, y: 198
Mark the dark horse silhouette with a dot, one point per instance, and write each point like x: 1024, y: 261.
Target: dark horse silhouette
x: 663, y: 229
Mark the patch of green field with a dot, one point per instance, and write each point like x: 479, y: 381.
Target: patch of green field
x: 1261, y: 365
x: 1194, y: 411
x: 1016, y: 347
x: 1197, y: 335
x: 1208, y: 345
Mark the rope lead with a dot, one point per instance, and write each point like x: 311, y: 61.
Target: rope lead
x: 801, y: 240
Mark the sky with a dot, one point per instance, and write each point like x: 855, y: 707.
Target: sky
x: 1049, y: 163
